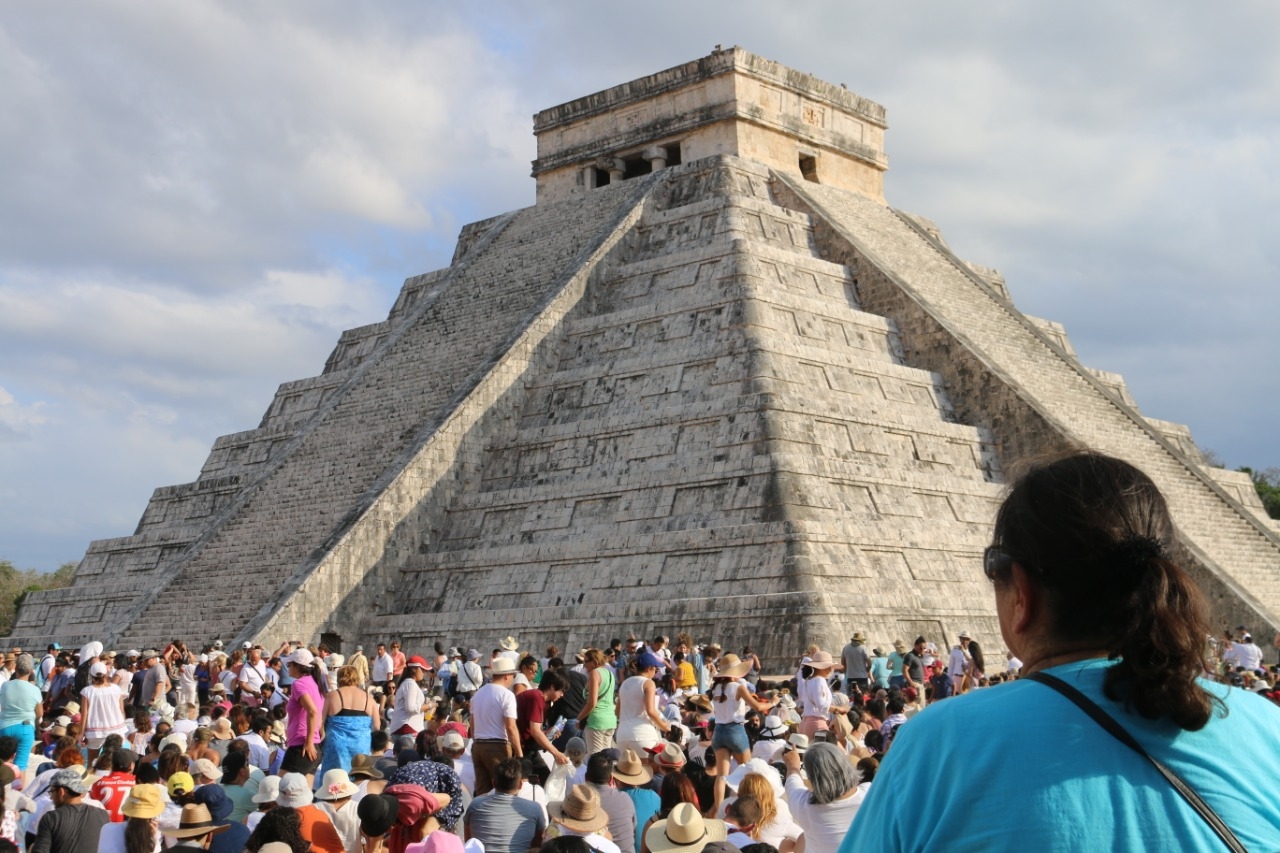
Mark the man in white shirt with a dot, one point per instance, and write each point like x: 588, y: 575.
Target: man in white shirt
x: 956, y: 665
x: 253, y: 674
x: 1248, y: 654
x: 256, y: 738
x: 381, y: 670
x: 493, y: 724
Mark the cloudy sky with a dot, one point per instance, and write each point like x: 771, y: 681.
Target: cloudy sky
x: 199, y: 196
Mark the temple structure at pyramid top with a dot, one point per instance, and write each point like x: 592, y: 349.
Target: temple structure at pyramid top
x: 710, y: 382
x: 731, y: 102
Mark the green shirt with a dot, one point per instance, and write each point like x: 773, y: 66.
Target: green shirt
x: 604, y: 715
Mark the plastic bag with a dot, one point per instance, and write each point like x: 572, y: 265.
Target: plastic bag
x: 558, y: 782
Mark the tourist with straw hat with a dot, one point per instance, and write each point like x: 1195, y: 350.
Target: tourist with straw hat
x: 730, y: 699
x: 685, y: 830
x: 580, y: 814
x: 196, y: 828
x: 632, y: 778
x: 814, y: 693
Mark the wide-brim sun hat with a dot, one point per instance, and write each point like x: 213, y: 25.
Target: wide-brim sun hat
x: 363, y: 766
x: 502, y: 666
x: 684, y: 829
x: 417, y: 662
x: 730, y: 666
x: 899, y: 646
x: 699, y: 702
x: 821, y: 661
x: 667, y: 755
x: 580, y: 810
x: 195, y: 822
x: 336, y: 785
x: 773, y: 727
x: 510, y: 643
x: 630, y: 770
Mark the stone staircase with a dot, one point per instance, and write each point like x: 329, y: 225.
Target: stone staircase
x: 970, y: 333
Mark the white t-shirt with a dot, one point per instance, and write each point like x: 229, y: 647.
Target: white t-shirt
x: 466, y: 770
x: 382, y: 668
x: 1250, y: 656
x: 825, y: 825
x: 252, y: 677
x: 112, y: 839
x: 407, y: 710
x: 491, y: 707
x: 956, y: 662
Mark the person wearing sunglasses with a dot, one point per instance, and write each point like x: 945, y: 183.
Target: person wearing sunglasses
x: 1113, y: 739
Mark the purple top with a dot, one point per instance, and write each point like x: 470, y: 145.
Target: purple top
x: 295, y: 731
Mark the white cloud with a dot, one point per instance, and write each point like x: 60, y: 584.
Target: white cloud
x: 199, y: 197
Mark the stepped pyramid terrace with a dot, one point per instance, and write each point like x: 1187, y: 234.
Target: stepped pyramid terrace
x: 710, y: 381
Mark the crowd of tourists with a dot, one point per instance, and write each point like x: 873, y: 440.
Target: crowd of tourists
x: 654, y: 744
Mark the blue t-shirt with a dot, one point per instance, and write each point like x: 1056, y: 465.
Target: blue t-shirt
x: 647, y: 803
x: 19, y: 699
x: 1021, y: 767
x: 880, y: 671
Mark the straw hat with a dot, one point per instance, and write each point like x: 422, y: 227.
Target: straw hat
x: 821, y: 661
x: 580, y: 810
x: 668, y: 756
x: 731, y: 667
x: 631, y: 770
x: 684, y: 829
x: 502, y: 666
x: 859, y: 637
x: 699, y: 702
x: 221, y: 729
x: 510, y: 643
x: 899, y: 646
x: 336, y: 785
x: 143, y: 801
x: 195, y: 822
x: 362, y: 765
x: 799, y: 741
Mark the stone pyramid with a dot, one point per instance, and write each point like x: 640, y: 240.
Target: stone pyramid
x: 709, y: 382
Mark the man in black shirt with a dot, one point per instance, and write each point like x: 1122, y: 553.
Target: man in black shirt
x: 913, y: 669
x: 72, y: 827
x: 569, y: 705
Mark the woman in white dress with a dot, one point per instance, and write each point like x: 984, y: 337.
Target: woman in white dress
x: 102, y: 709
x: 640, y: 724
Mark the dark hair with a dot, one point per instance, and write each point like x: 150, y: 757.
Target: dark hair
x: 552, y: 680
x: 566, y: 844
x: 279, y: 824
x: 8, y: 748
x: 1092, y: 531
x: 676, y: 789
x: 139, y: 835
x: 122, y: 761
x: 867, y: 767
x: 146, y: 773
x: 507, y: 774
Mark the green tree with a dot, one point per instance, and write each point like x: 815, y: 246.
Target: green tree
x: 15, y: 583
x: 1268, y: 485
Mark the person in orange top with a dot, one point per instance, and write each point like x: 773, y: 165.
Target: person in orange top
x: 295, y: 793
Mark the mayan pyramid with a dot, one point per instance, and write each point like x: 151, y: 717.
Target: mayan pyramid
x: 708, y: 382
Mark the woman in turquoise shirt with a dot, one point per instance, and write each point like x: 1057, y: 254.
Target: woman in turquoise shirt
x: 20, y: 701
x: 1087, y: 592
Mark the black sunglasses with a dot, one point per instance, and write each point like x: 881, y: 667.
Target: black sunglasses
x: 995, y: 562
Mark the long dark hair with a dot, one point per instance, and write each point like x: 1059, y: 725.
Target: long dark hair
x: 1094, y: 531
x: 139, y: 835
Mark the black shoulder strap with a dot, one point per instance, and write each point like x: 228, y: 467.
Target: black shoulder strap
x: 1117, y: 731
